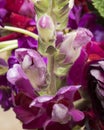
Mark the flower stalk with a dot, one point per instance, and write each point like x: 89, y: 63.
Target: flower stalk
x: 52, y: 77
x: 20, y: 30
x: 8, y: 45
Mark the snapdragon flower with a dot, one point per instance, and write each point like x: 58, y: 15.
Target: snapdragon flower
x: 31, y: 66
x: 44, y: 111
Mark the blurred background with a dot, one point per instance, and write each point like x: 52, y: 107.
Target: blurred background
x: 8, y: 121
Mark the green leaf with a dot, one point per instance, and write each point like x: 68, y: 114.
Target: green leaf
x: 99, y: 5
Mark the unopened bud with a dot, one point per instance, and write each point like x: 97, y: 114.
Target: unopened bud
x: 46, y: 28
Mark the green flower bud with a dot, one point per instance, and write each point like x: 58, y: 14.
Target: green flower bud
x: 46, y: 28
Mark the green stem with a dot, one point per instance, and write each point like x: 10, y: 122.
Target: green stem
x: 20, y: 30
x: 9, y: 47
x: 8, y: 43
x: 52, y: 77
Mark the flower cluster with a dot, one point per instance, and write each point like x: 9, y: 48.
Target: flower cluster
x: 52, y: 63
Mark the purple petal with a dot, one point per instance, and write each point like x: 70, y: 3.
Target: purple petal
x: 40, y: 100
x: 83, y: 37
x: 27, y: 8
x: 3, y: 12
x: 76, y: 72
x: 57, y: 126
x: 68, y: 92
x: 24, y: 115
x: 11, y: 61
x: 24, y: 86
x: 27, y: 42
x: 15, y: 74
x: 5, y: 98
x: 76, y: 115
x: 3, y: 80
x: 37, y: 123
x: 60, y: 114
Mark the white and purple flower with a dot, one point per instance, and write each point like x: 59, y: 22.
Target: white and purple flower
x: 45, y: 111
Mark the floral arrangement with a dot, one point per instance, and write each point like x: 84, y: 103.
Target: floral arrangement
x: 52, y: 63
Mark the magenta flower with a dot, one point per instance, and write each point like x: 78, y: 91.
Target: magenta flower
x: 55, y: 110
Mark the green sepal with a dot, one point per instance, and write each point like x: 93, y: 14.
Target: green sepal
x: 60, y: 12
x: 44, y: 48
x: 61, y: 68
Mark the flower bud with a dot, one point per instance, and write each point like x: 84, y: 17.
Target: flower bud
x: 46, y: 28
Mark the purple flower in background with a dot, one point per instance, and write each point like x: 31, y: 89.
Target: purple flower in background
x: 45, y: 111
x: 86, y: 20
x: 2, y: 3
x: 5, y: 93
x: 27, y: 8
x: 23, y: 7
x: 74, y: 17
x: 95, y: 82
x: 3, y: 11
